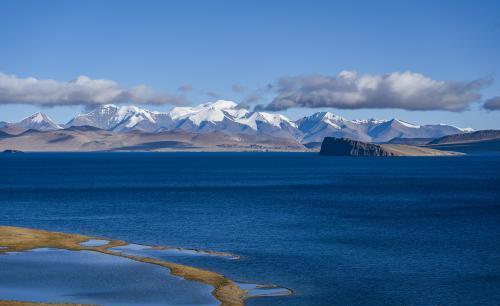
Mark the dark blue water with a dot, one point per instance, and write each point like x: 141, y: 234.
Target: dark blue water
x: 338, y: 231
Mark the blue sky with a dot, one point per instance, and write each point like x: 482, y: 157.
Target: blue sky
x: 213, y: 45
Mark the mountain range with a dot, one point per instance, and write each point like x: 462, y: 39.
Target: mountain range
x: 226, y: 118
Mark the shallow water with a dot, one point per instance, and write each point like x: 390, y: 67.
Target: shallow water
x: 336, y: 230
x: 55, y: 275
x: 255, y: 290
x: 166, y: 253
x: 94, y: 243
x: 196, y: 256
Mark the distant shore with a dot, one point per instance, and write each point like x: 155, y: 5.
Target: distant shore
x: 201, y: 150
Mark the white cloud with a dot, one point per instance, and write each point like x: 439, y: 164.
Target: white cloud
x: 350, y: 90
x: 80, y: 91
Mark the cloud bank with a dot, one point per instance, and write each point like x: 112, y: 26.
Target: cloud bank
x: 492, y: 104
x: 346, y: 90
x: 350, y: 90
x: 80, y: 91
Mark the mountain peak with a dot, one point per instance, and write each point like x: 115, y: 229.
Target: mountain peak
x: 326, y: 116
x: 406, y: 124
x: 318, y: 118
x: 108, y: 106
x: 370, y: 121
x: 220, y: 104
x: 38, y: 121
x: 226, y: 117
x: 117, y: 118
x: 332, y: 116
x: 37, y: 117
x: 211, y: 111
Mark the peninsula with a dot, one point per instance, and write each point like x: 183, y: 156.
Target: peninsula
x: 15, y: 239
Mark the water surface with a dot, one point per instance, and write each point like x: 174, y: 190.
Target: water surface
x: 337, y: 230
x: 55, y: 275
x: 94, y: 243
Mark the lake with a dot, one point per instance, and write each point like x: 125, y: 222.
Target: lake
x: 335, y: 230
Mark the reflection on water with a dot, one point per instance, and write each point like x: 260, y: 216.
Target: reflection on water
x: 55, y: 275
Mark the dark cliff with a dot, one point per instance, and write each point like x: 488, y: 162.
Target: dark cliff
x: 348, y: 147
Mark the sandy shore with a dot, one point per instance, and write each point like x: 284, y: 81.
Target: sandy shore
x: 23, y: 239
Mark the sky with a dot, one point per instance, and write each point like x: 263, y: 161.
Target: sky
x: 420, y: 61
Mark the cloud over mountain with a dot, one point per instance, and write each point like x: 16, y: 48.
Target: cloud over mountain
x: 350, y: 90
x: 80, y: 91
x: 492, y: 104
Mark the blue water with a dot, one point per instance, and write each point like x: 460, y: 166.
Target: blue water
x: 94, y: 242
x: 191, y: 257
x: 336, y: 230
x: 52, y: 275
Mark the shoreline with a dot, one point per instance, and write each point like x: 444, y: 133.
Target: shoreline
x: 420, y: 152
x: 163, y: 151
x: 16, y: 239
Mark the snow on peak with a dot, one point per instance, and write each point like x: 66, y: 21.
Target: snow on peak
x: 38, y: 121
x: 325, y: 116
x: 252, y: 118
x: 211, y: 111
x: 407, y: 124
x: 221, y: 110
x: 332, y: 116
x: 332, y: 119
x: 111, y: 117
x: 322, y: 117
x: 108, y: 106
x: 220, y: 104
x: 225, y: 116
x: 128, y: 110
x: 371, y: 120
x: 37, y: 117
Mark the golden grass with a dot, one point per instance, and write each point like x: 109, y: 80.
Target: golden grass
x: 23, y: 239
x: 406, y: 150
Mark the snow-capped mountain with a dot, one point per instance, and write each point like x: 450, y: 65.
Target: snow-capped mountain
x: 227, y: 118
x: 319, y: 125
x: 121, y: 119
x: 38, y: 121
x: 222, y: 116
